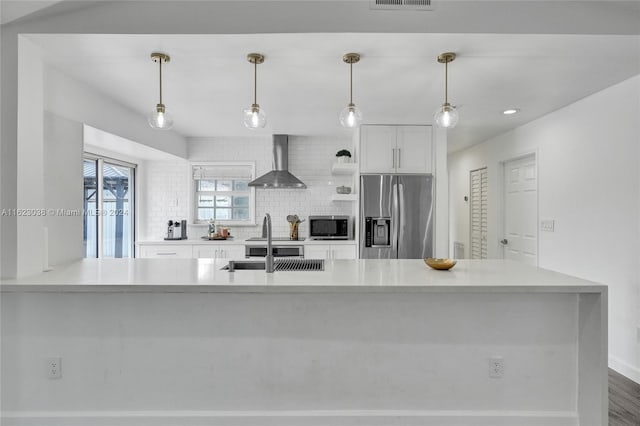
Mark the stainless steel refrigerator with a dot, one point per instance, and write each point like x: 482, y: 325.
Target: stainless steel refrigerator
x: 396, y: 216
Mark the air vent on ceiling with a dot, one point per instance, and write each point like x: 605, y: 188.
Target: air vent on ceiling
x: 401, y: 5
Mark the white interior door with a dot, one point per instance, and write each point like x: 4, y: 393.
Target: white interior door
x: 478, y: 213
x: 520, y: 238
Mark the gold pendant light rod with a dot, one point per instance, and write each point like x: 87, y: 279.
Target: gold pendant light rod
x: 351, y: 58
x: 160, y: 58
x: 445, y: 58
x: 255, y: 59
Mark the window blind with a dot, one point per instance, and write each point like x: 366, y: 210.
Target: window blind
x: 221, y: 172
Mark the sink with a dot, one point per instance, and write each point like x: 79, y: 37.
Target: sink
x: 243, y: 265
x: 279, y: 264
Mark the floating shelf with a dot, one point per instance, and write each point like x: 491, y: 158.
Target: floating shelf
x: 344, y: 168
x: 344, y: 197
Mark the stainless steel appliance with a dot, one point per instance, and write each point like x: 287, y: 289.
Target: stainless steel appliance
x: 330, y: 228
x: 278, y: 250
x: 279, y: 177
x: 396, y: 216
x: 176, y: 230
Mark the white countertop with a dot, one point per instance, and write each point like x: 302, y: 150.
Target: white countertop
x: 364, y: 275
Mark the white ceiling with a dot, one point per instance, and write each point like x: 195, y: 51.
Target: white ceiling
x: 303, y: 83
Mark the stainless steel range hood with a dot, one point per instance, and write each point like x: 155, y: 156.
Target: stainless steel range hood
x: 279, y: 177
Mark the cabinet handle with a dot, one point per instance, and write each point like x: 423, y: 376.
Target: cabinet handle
x: 393, y: 156
x: 166, y: 254
x: 399, y: 158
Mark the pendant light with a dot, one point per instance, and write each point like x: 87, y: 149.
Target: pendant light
x: 351, y: 116
x: 446, y: 116
x: 160, y: 118
x: 255, y: 117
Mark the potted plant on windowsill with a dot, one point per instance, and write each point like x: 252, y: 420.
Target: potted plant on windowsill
x: 343, y: 156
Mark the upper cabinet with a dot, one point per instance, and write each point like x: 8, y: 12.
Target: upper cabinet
x: 395, y: 149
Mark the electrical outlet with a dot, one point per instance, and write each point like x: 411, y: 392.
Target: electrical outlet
x: 54, y: 367
x: 547, y: 225
x: 496, y: 367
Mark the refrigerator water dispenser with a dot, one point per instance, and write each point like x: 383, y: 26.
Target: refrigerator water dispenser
x: 378, y: 231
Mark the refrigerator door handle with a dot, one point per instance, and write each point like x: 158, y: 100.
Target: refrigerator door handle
x: 393, y: 158
x: 399, y: 158
x: 399, y: 211
x: 395, y: 220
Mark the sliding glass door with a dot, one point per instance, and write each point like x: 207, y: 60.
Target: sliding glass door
x: 109, y: 207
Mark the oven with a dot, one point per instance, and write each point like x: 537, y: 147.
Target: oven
x: 278, y: 250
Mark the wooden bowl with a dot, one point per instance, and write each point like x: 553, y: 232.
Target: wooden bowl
x: 440, y: 264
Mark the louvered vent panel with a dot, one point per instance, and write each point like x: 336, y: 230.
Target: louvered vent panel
x: 478, y: 213
x: 401, y: 4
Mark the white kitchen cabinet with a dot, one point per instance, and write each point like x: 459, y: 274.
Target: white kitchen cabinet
x: 377, y: 149
x: 166, y: 251
x: 395, y: 149
x: 330, y: 251
x: 218, y: 251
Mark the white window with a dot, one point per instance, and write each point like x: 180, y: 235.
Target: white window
x: 221, y: 192
x: 109, y: 206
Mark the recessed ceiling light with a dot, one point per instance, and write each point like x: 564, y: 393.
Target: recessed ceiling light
x: 510, y: 111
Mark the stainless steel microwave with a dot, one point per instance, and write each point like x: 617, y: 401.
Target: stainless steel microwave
x: 330, y: 228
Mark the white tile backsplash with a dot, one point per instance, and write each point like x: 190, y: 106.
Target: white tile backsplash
x: 165, y: 185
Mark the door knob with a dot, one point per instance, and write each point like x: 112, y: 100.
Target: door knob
x: 504, y: 241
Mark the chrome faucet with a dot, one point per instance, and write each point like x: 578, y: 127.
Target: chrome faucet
x: 268, y: 260
x: 264, y: 227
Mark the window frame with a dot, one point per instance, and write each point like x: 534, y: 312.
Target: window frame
x: 193, y: 193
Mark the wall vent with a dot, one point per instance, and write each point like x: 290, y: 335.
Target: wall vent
x: 401, y: 5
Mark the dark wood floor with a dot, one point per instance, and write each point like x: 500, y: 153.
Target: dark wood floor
x: 624, y: 401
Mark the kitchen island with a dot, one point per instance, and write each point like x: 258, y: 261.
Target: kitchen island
x: 376, y: 342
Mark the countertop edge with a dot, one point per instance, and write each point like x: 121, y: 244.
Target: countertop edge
x: 295, y: 288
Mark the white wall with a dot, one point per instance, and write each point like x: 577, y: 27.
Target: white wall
x: 588, y: 178
x: 72, y: 99
x: 30, y: 161
x: 289, y: 359
x: 165, y: 194
x: 63, y: 143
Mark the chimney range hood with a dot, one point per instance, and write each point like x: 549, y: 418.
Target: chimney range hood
x: 279, y: 177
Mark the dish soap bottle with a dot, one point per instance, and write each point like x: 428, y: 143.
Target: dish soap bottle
x: 212, y: 228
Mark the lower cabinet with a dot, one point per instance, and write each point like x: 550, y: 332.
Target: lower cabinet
x: 177, y: 251
x: 236, y: 251
x: 330, y: 251
x: 225, y: 251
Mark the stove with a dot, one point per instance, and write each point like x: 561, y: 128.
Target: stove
x: 273, y: 239
x: 257, y: 247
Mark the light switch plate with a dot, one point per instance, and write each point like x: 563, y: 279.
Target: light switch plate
x: 547, y: 225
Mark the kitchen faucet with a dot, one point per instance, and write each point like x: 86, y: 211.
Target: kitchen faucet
x: 268, y: 260
x: 264, y: 227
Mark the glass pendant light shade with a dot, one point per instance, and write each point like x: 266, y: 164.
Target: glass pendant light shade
x: 446, y: 116
x: 160, y: 118
x: 351, y: 116
x: 254, y: 117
